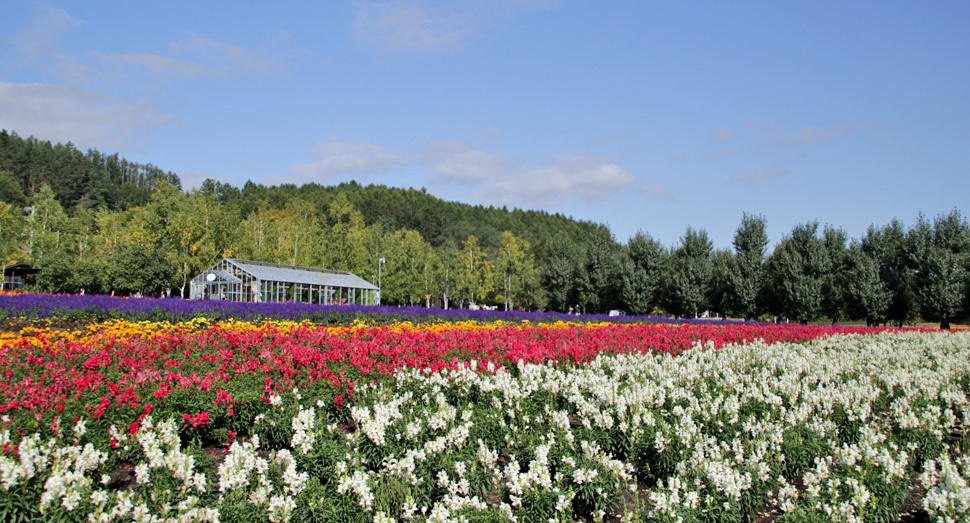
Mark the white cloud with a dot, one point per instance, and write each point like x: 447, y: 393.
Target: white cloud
x: 723, y: 134
x: 41, y: 38
x: 37, y: 46
x: 86, y: 118
x: 655, y: 191
x: 587, y: 177
x: 409, y: 26
x: 338, y: 156
x: 192, y: 58
x: 455, y: 162
x: 429, y: 27
x: 225, y: 58
x: 76, y: 105
x: 803, y: 136
x: 480, y: 175
x: 154, y: 64
x: 816, y: 134
x: 188, y: 58
x: 759, y: 175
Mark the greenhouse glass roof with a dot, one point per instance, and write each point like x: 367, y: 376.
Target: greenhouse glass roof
x: 305, y: 275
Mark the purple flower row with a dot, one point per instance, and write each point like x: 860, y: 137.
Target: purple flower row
x: 99, y: 307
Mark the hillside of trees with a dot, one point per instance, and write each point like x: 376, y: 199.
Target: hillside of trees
x: 106, y: 225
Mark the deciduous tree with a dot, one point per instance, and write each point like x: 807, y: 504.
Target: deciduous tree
x: 745, y: 280
x: 689, y: 277
x: 797, y: 271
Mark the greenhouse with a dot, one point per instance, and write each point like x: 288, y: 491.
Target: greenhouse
x: 261, y: 282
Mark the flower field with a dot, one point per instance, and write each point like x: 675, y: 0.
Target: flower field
x: 480, y: 422
x: 100, y: 308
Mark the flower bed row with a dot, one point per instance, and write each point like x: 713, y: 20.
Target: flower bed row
x: 121, y: 371
x: 102, y: 308
x: 479, y: 422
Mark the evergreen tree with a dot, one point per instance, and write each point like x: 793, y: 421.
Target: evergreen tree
x: 10, y: 191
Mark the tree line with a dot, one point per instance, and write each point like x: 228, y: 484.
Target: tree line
x: 101, y: 224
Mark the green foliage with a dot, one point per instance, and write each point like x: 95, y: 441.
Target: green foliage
x: 864, y: 293
x: 940, y: 256
x: 887, y: 246
x: 798, y: 269
x: 689, y: 275
x: 747, y: 272
x: 599, y: 289
x: 642, y: 270
x: 102, y: 224
x: 560, y: 273
x: 21, y: 506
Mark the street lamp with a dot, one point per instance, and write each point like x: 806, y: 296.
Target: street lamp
x: 30, y: 253
x: 380, y: 263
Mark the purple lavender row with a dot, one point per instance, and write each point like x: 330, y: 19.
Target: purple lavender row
x: 99, y: 307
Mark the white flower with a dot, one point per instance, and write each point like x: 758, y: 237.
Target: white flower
x: 303, y: 424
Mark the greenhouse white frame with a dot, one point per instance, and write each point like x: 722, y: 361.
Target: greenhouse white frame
x: 261, y: 282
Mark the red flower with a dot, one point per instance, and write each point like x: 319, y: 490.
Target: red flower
x: 199, y: 420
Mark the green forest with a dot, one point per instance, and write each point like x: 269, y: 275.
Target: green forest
x: 100, y: 224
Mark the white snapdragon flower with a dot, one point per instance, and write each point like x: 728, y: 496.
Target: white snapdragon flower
x: 948, y: 488
x: 303, y: 434
x: 241, y: 461
x: 294, y: 482
x: 280, y: 508
x: 357, y: 483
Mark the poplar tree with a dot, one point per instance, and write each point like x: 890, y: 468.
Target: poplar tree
x: 887, y: 247
x: 599, y: 281
x: 866, y: 295
x: 835, y: 241
x: 689, y: 274
x: 560, y: 271
x: 940, y: 257
x: 643, y: 267
x: 797, y: 271
x: 746, y: 279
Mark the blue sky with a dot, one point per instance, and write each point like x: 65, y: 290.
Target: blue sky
x: 641, y: 115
